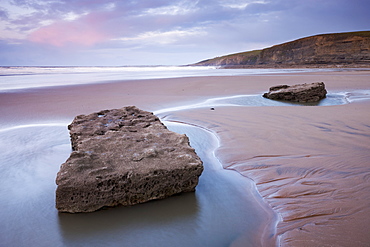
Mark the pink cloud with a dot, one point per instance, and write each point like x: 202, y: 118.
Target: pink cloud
x: 85, y: 32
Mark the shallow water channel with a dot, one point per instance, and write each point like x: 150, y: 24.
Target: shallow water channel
x: 256, y: 100
x: 225, y: 210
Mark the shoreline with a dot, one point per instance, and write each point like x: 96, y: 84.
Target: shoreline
x: 303, y: 194
x: 265, y: 237
x: 13, y: 83
x: 63, y: 103
x: 175, y: 91
x: 297, y: 66
x: 309, y: 222
x: 214, y: 170
x: 268, y: 235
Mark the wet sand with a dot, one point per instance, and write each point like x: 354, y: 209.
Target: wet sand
x: 310, y: 163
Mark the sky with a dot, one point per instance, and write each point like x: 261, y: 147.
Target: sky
x: 161, y: 32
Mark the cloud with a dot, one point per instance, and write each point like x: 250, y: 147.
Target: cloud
x: 168, y: 29
x: 84, y: 31
x: 3, y: 14
x: 240, y: 4
x: 163, y: 38
x: 65, y: 33
x: 179, y: 8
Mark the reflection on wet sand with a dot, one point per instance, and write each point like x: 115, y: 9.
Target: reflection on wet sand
x: 311, y: 164
x: 143, y: 225
x: 225, y: 210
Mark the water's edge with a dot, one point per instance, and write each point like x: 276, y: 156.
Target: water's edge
x: 268, y: 235
x: 219, y: 213
x: 27, y: 178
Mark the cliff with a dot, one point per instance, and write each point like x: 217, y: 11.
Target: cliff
x: 326, y: 49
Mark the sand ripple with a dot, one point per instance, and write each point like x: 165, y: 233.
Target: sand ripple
x: 311, y: 164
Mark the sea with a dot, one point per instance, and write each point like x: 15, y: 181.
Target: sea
x: 26, y: 77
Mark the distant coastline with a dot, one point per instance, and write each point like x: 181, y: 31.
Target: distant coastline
x: 335, y: 50
x: 295, y: 66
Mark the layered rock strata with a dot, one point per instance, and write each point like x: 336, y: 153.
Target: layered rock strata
x: 336, y: 49
x: 124, y: 157
x: 308, y: 92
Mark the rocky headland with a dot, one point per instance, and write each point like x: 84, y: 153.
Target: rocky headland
x: 326, y: 50
x: 124, y: 157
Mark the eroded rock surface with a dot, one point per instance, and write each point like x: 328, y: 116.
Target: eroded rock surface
x: 336, y: 49
x: 124, y: 157
x: 308, y: 92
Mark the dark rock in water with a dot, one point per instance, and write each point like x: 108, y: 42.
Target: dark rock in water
x: 308, y: 92
x: 275, y: 88
x: 124, y: 157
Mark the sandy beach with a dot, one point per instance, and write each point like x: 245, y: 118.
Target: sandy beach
x: 311, y: 164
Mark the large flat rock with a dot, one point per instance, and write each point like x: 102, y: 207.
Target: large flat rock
x: 308, y: 92
x: 124, y: 157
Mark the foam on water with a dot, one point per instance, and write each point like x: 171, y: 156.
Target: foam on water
x: 17, y: 78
